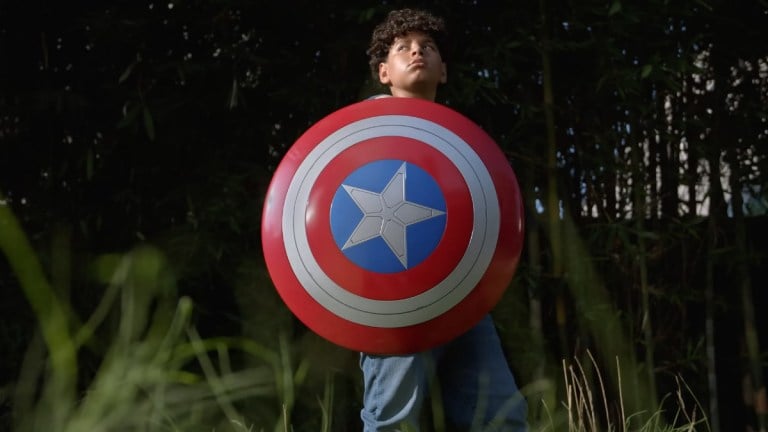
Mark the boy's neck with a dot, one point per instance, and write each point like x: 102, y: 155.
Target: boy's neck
x: 429, y: 95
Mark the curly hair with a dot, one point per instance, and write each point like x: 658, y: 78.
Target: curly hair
x: 399, y: 23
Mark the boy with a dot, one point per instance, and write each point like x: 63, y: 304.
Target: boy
x: 467, y: 378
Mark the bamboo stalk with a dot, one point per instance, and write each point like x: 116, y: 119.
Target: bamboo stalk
x: 552, y: 206
x: 716, y: 209
x: 748, y: 305
x: 639, y: 214
x: 545, y: 393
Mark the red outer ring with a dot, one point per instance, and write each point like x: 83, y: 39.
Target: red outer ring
x: 428, y: 334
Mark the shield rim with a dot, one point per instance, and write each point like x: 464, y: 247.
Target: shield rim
x: 417, y: 337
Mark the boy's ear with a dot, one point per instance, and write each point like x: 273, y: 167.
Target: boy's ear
x: 384, y: 74
x: 444, y: 76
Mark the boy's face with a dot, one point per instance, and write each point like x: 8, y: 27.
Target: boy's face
x: 414, y: 67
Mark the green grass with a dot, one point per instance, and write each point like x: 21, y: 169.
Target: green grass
x: 137, y: 363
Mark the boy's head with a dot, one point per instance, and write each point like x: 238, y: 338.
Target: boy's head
x: 423, y: 33
x: 399, y: 23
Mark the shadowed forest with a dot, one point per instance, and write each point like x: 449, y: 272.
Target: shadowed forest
x: 137, y: 140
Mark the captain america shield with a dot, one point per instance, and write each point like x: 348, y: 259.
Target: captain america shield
x: 392, y: 225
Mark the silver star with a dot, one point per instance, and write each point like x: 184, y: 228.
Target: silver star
x: 386, y: 215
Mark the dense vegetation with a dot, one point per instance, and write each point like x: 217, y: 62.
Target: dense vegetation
x: 137, y: 139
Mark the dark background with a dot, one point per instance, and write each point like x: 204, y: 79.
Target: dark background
x: 140, y: 124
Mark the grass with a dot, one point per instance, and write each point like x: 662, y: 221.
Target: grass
x: 178, y: 381
x: 588, y: 408
x: 137, y: 363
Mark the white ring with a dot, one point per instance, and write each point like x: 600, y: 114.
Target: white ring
x: 428, y: 304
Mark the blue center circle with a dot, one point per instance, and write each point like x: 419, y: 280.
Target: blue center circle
x: 388, y: 216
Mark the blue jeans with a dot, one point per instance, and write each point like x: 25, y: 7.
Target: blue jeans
x: 469, y: 375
